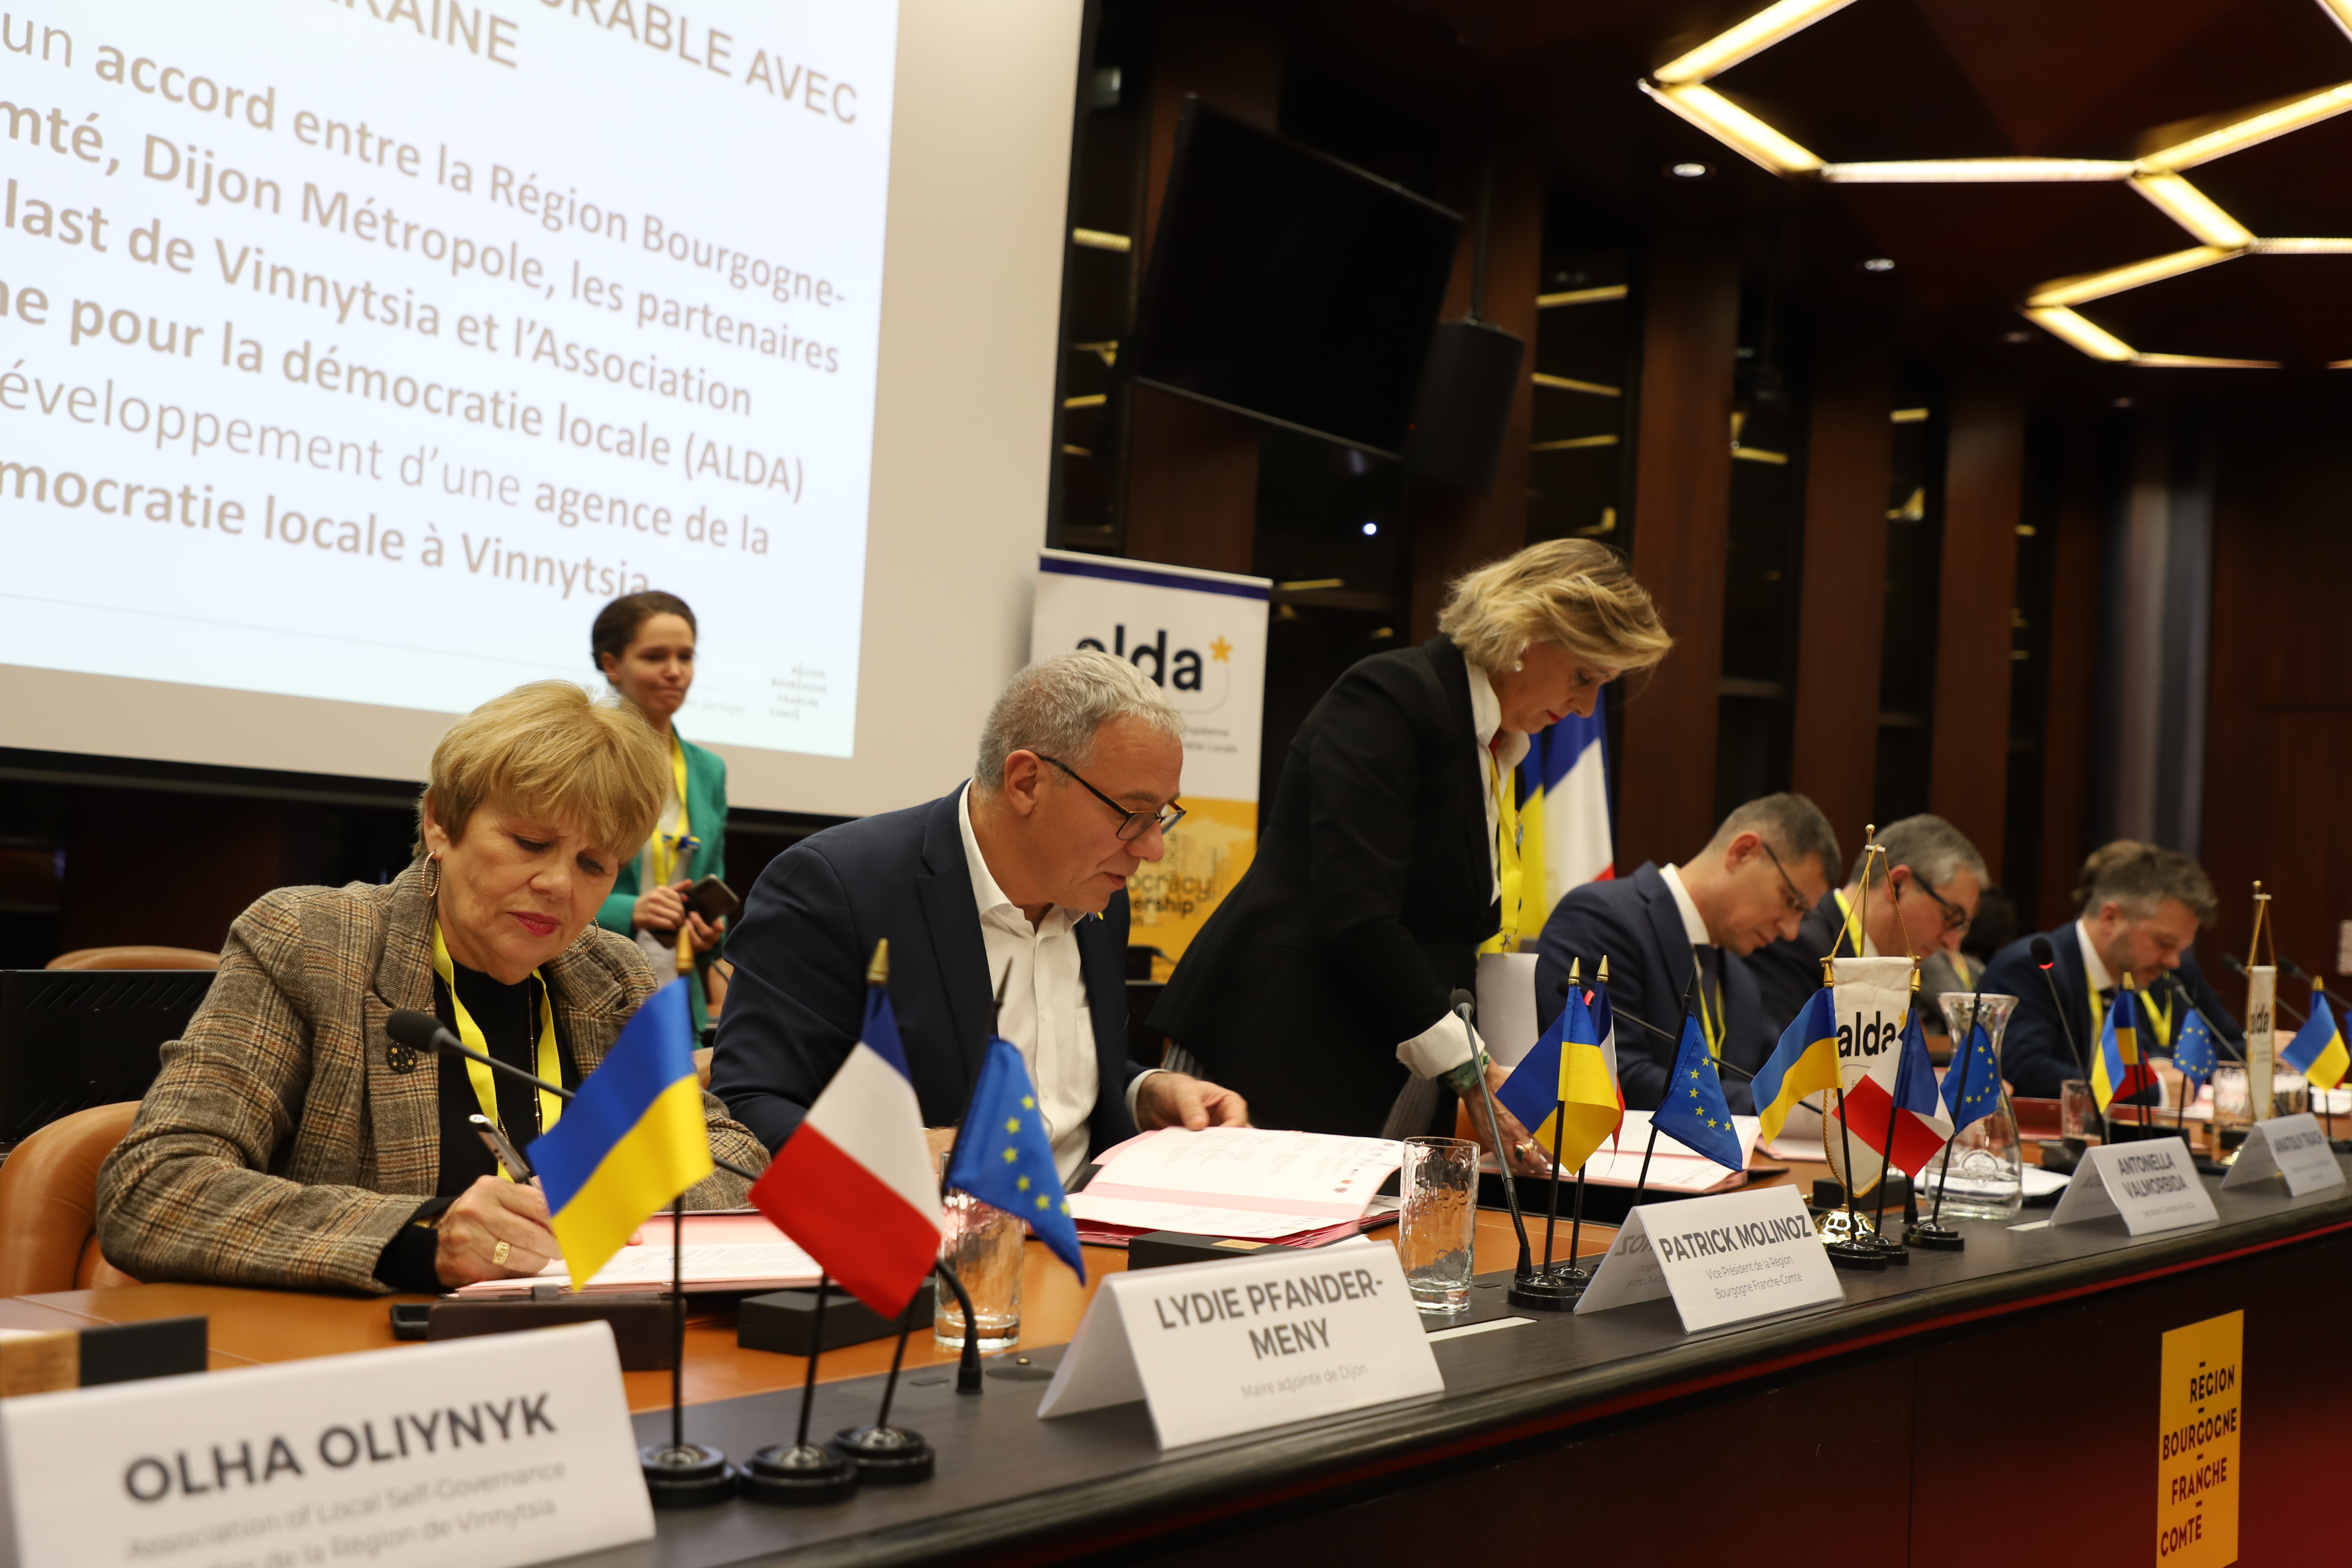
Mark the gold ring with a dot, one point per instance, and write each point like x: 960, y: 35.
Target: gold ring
x: 498, y: 1254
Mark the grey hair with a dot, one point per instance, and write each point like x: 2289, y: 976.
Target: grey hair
x: 1793, y: 826
x: 1056, y: 706
x: 1934, y: 849
x: 2139, y: 876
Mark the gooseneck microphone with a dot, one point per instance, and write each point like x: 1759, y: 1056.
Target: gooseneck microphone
x: 422, y: 1033
x: 2278, y: 1003
x: 2221, y: 1041
x: 2044, y: 957
x: 1463, y: 1003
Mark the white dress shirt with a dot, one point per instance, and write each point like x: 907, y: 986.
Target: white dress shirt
x: 1693, y: 926
x: 1447, y: 1043
x: 1046, y: 1015
x: 2093, y: 965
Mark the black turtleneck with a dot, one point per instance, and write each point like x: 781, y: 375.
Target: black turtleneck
x: 508, y: 1017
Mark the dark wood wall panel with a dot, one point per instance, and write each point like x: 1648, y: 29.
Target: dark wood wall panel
x: 1842, y: 599
x: 1682, y: 514
x: 1984, y: 486
x: 2080, y: 519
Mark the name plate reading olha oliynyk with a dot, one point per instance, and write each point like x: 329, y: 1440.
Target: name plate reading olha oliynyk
x: 2152, y: 1183
x: 1218, y: 1349
x: 495, y: 1452
x: 2289, y: 1146
x: 1724, y: 1258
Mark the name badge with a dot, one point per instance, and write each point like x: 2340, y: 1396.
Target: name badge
x: 2152, y: 1183
x: 2289, y: 1146
x: 1723, y: 1259
x: 1218, y: 1349
x: 500, y: 1451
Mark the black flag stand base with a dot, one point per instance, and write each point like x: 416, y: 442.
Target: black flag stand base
x: 1934, y: 1238
x: 1549, y: 1289
x: 887, y: 1455
x: 679, y: 1473
x: 800, y: 1472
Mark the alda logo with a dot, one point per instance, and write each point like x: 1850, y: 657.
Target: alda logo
x: 1184, y: 672
x: 1860, y: 1040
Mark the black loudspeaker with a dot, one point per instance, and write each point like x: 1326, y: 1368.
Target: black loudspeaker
x: 1467, y: 387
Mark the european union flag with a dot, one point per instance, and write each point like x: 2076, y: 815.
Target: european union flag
x: 2193, y: 1052
x: 1004, y: 1157
x: 1978, y: 1068
x: 1694, y: 1113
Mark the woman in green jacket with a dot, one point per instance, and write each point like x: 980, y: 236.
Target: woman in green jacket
x: 645, y: 645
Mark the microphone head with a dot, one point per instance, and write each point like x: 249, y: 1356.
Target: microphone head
x: 2292, y: 970
x: 2230, y: 962
x: 414, y: 1029
x: 2043, y: 954
x: 1462, y: 998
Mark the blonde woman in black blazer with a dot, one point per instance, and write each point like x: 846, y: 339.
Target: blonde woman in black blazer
x: 1319, y: 988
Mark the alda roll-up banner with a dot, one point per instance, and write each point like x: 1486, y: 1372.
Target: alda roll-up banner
x: 1202, y: 636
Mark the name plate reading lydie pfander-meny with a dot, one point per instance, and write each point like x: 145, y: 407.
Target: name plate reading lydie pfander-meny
x: 1724, y: 1258
x: 2152, y: 1183
x: 494, y: 1452
x: 2289, y: 1146
x: 1218, y: 1348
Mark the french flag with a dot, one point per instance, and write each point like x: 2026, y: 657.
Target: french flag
x: 1565, y: 819
x: 1899, y: 1091
x: 854, y: 1185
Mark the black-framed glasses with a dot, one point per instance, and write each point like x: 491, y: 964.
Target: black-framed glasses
x: 1797, y: 904
x: 1134, y: 824
x: 1955, y: 917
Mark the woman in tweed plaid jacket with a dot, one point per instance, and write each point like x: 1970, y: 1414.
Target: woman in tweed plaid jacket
x: 282, y: 1144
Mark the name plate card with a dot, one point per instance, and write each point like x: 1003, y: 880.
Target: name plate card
x: 1723, y: 1259
x: 1218, y: 1348
x: 2152, y: 1183
x: 2290, y: 1146
x: 498, y: 1451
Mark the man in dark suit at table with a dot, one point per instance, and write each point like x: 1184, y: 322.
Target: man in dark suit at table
x: 2141, y: 907
x: 1922, y: 897
x: 1017, y: 879
x: 1769, y: 862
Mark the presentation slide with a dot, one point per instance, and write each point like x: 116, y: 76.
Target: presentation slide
x: 358, y: 350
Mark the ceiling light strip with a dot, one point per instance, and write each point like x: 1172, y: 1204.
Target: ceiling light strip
x: 1978, y: 171
x: 2089, y: 286
x: 2340, y: 13
x: 2193, y: 210
x: 2305, y: 246
x: 1758, y: 32
x: 2069, y: 328
x: 1567, y: 383
x: 1735, y: 129
x: 1582, y: 296
x: 2256, y: 128
x: 2200, y: 362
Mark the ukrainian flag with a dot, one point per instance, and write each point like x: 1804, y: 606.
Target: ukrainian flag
x: 631, y: 1140
x: 2119, y: 1070
x: 1804, y: 1062
x: 2317, y: 1049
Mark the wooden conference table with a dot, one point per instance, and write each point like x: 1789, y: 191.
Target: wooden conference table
x: 1973, y: 1402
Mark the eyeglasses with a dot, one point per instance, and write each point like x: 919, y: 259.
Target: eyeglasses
x: 1797, y: 904
x: 1133, y: 825
x: 1955, y: 917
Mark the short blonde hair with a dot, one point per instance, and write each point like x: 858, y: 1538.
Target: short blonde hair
x: 553, y: 752
x: 1574, y: 593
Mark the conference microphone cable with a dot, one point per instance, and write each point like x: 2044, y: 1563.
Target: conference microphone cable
x: 1464, y: 1003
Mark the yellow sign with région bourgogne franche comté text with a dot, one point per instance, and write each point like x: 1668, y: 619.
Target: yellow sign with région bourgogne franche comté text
x: 2200, y: 1429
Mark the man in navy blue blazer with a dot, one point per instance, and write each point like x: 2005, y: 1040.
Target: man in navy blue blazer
x: 2141, y: 906
x: 1014, y: 882
x: 1769, y: 863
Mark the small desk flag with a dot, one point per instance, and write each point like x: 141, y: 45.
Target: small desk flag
x: 853, y: 1185
x: 1694, y: 1113
x: 1980, y: 1068
x: 2120, y: 1070
x: 1804, y: 1062
x: 1003, y: 1155
x: 2317, y: 1049
x: 2193, y: 1054
x: 1571, y: 1074
x: 1899, y: 1089
x: 631, y: 1140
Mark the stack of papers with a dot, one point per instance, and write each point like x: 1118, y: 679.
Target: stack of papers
x: 730, y: 1251
x: 1672, y: 1168
x: 1243, y: 1182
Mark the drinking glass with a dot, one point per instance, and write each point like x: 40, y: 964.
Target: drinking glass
x: 1981, y: 1174
x: 984, y: 1246
x: 1438, y: 1232
x: 2233, y: 1101
x: 2078, y: 1110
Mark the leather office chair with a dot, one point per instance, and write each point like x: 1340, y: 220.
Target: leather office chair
x: 135, y: 958
x: 49, y: 1204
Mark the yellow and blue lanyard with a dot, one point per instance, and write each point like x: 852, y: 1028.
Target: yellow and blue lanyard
x: 1508, y: 874
x: 671, y: 851
x: 486, y: 1087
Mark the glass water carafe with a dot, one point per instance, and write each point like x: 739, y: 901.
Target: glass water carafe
x: 1982, y: 1172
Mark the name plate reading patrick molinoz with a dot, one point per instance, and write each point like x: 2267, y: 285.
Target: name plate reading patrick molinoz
x: 1217, y: 1348
x: 1724, y: 1258
x: 2289, y: 1146
x: 494, y: 1452
x: 2152, y: 1183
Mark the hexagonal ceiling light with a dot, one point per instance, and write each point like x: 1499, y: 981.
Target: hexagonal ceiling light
x: 1681, y: 85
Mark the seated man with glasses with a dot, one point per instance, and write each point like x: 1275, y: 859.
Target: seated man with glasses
x: 1923, y: 895
x: 1766, y: 867
x: 1011, y: 887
